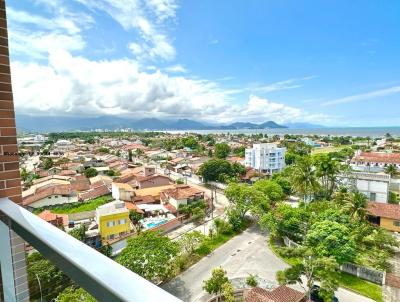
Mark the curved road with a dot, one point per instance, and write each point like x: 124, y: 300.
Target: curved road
x: 244, y: 254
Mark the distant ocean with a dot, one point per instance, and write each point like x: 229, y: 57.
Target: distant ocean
x: 349, y: 131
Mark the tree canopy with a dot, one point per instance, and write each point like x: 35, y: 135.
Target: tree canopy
x: 222, y: 150
x: 150, y: 255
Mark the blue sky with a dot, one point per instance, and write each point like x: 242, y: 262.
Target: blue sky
x: 335, y: 63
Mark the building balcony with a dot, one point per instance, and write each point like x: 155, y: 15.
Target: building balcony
x: 99, y: 275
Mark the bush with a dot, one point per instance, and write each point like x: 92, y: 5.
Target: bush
x: 251, y: 280
x: 393, y: 198
x: 235, y: 220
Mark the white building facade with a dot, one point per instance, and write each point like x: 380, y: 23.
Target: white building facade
x: 268, y: 158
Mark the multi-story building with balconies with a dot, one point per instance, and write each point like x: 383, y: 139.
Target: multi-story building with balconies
x: 268, y: 158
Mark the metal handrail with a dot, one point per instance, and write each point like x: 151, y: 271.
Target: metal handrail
x: 103, y: 278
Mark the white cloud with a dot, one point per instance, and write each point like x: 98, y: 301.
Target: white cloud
x: 33, y: 35
x: 259, y: 109
x: 71, y: 85
x: 364, y: 96
x: 147, y: 17
x: 178, y: 68
x: 282, y: 85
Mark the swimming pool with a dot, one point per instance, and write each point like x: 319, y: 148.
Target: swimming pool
x: 153, y: 224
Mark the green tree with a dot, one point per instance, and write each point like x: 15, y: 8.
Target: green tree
x: 198, y: 215
x: 239, y: 151
x: 391, y: 170
x: 150, y: 255
x: 180, y: 181
x: 243, y: 198
x: 190, y: 241
x: 74, y: 294
x: 220, y: 226
x: 314, y: 270
x: 130, y: 155
x: 271, y: 189
x: 222, y: 150
x: 215, y: 283
x: 251, y: 280
x: 104, y: 150
x: 106, y: 250
x: 327, y: 170
x: 220, y: 170
x: 91, y: 172
x: 135, y: 217
x: 51, y: 279
x: 228, y: 292
x: 303, y: 178
x: 112, y: 173
x: 330, y: 238
x: 287, y: 221
x: 355, y: 204
x: 79, y: 232
x: 190, y: 142
x: 48, y: 163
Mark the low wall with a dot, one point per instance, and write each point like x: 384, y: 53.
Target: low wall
x: 218, y: 185
x: 168, y: 226
x: 290, y: 243
x: 81, y: 215
x: 365, y: 273
x: 362, y: 272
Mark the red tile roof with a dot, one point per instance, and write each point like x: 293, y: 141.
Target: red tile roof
x: 385, y: 210
x: 143, y: 199
x: 52, y: 218
x: 279, y: 294
x: 99, y: 188
x: 80, y: 183
x: 378, y: 157
x: 46, y: 191
x: 67, y: 173
x: 182, y: 192
x: 134, y: 147
x: 131, y: 206
x: 170, y: 208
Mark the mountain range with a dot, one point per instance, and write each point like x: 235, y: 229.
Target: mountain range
x: 62, y: 123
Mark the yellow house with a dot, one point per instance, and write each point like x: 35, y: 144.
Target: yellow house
x: 385, y: 215
x: 113, y: 220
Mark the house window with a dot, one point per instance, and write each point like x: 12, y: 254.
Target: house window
x: 110, y: 223
x: 372, y: 196
x: 396, y: 223
x: 122, y: 221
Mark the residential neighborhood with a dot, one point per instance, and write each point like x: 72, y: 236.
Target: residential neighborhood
x: 195, y: 188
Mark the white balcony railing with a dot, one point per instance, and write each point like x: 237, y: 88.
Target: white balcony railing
x: 102, y: 277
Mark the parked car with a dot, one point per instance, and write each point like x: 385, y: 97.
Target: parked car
x: 315, y: 297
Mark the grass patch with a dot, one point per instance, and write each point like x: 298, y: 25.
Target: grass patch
x: 319, y: 150
x: 363, y: 287
x: 350, y: 282
x: 78, y: 207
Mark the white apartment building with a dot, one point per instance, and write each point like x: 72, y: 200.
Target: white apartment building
x: 267, y: 158
x: 373, y: 185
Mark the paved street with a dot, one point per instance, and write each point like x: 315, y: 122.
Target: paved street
x: 244, y: 254
x: 239, y: 257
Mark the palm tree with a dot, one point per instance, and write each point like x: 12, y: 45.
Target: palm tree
x: 327, y: 169
x: 391, y: 170
x: 356, y: 205
x: 303, y: 178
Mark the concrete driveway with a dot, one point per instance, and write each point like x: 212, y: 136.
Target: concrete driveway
x: 244, y: 254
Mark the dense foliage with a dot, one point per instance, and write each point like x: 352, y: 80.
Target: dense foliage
x: 221, y: 170
x: 150, y: 255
